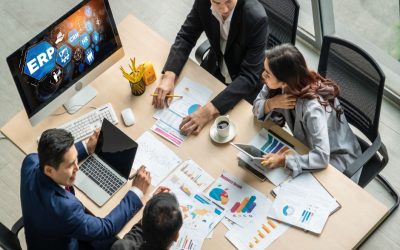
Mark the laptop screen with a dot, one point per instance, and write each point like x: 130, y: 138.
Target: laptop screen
x: 116, y: 148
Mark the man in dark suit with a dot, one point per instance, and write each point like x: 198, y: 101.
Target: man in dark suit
x: 53, y: 217
x: 237, y: 32
x: 159, y: 227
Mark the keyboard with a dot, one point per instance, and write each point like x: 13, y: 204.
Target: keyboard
x: 101, y: 175
x: 84, y: 126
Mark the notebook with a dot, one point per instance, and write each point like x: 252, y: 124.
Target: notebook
x: 104, y: 172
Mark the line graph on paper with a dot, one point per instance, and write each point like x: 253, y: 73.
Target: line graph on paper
x: 157, y: 157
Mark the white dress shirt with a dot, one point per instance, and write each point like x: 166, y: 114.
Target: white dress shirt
x: 224, y: 27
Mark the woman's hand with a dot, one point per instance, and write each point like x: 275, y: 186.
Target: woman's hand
x: 273, y: 160
x: 283, y: 101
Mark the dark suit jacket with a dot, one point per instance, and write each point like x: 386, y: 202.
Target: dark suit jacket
x: 133, y: 240
x: 244, y: 52
x: 55, y: 219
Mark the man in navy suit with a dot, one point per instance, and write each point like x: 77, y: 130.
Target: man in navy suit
x: 237, y: 32
x: 53, y: 217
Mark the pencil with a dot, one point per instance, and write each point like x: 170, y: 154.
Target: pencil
x: 178, y: 96
x: 263, y: 162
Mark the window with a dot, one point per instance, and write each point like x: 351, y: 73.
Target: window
x: 372, y: 25
x: 306, y: 23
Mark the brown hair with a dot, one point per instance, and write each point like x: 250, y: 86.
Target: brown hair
x: 288, y: 65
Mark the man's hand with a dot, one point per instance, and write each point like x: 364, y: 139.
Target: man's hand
x: 283, y: 101
x: 166, y: 87
x: 161, y: 189
x: 193, y: 123
x: 142, y: 179
x: 273, y: 160
x: 92, y: 141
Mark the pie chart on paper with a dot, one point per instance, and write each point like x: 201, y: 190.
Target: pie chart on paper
x: 193, y: 108
x: 288, y: 210
x: 219, y: 194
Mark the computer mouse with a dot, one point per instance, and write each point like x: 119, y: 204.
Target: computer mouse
x: 128, y: 117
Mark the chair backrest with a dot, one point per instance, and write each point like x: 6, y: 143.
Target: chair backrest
x: 361, y: 80
x: 8, y: 239
x: 283, y: 16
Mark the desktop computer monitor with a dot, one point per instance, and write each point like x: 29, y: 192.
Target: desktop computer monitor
x: 53, y: 67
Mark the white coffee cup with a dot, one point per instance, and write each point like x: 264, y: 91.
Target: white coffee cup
x: 222, y: 125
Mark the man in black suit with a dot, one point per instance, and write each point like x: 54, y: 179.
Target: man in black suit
x: 237, y: 31
x: 159, y: 227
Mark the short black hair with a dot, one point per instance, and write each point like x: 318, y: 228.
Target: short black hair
x: 162, y: 219
x: 53, y: 144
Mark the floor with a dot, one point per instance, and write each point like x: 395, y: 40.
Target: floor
x: 22, y: 19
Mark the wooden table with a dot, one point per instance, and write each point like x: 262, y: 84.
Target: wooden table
x: 345, y: 229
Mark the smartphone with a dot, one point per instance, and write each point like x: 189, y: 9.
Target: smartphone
x: 253, y: 152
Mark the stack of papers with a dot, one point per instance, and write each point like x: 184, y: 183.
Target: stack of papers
x: 200, y: 215
x: 302, y: 208
x: 308, y: 182
x: 245, y: 212
x: 194, y: 96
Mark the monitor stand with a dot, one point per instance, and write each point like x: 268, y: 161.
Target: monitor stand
x: 80, y: 99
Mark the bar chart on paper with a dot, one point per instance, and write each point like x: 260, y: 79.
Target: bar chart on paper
x: 186, y: 242
x: 196, y: 174
x: 306, y: 216
x: 245, y: 207
x: 243, y: 204
x: 259, y: 237
x: 187, y: 179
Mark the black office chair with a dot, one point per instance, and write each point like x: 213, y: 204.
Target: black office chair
x: 9, y: 238
x: 283, y: 16
x: 362, y: 82
x: 282, y: 21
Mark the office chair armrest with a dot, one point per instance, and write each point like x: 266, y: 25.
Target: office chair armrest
x: 365, y: 157
x: 384, y: 153
x: 18, y: 226
x: 202, y: 50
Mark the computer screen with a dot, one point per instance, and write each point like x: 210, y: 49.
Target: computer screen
x: 116, y: 148
x: 47, y: 67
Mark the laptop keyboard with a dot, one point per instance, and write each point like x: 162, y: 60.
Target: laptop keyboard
x: 102, y: 176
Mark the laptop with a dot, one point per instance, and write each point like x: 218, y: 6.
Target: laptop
x: 104, y: 172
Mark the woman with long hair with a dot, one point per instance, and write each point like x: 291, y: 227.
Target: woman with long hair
x: 309, y: 105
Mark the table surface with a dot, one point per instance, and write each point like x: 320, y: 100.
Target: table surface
x: 346, y: 228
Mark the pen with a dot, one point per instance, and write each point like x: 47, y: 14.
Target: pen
x: 133, y: 176
x: 136, y: 173
x: 178, y: 96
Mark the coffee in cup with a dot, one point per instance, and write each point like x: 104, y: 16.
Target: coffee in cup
x: 222, y: 125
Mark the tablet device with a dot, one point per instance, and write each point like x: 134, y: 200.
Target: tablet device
x: 251, y: 151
